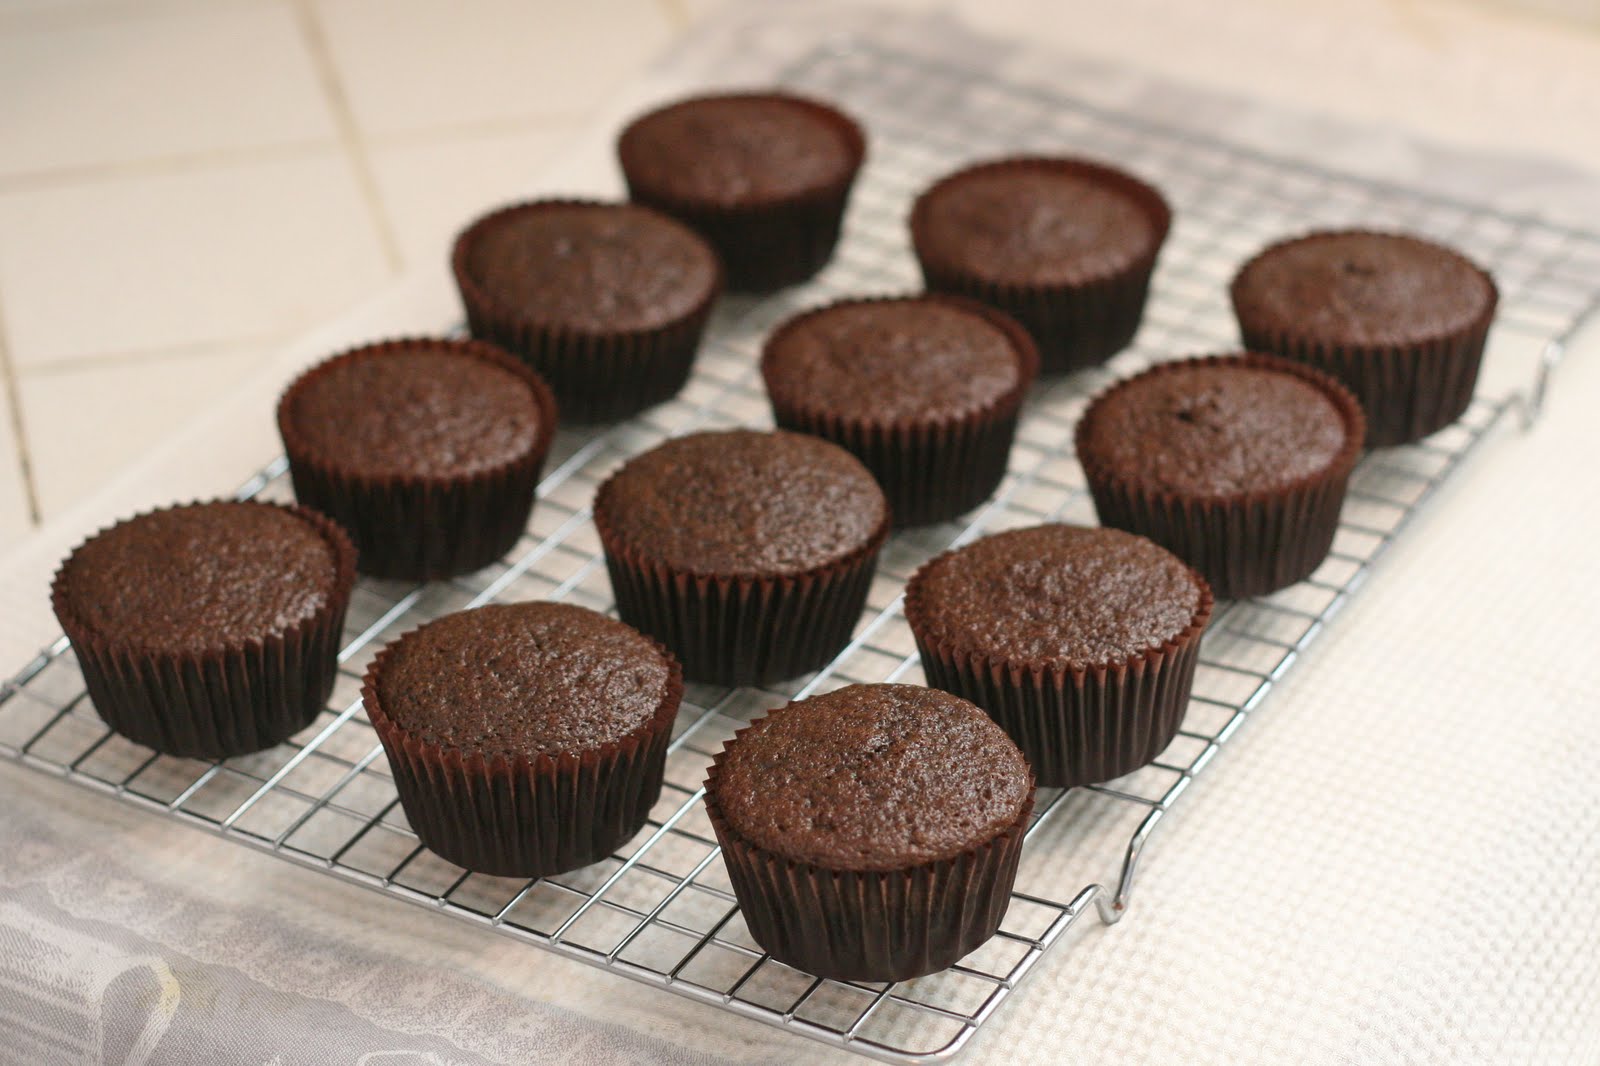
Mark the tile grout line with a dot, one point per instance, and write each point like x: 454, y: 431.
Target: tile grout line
x: 176, y: 163
x: 8, y: 374
x: 333, y: 91
x: 103, y: 360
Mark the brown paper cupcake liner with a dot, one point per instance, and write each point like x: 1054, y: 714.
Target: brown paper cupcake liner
x: 418, y: 528
x: 1244, y: 544
x: 1407, y: 391
x: 934, y: 469
x: 773, y: 244
x: 1077, y: 727
x: 1075, y: 324
x: 597, y: 376
x: 742, y: 630
x: 870, y: 925
x: 230, y: 700
x: 520, y: 816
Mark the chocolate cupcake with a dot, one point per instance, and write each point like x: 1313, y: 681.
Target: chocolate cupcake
x: 526, y: 739
x: 924, y: 390
x: 208, y: 629
x: 427, y: 451
x: 748, y: 554
x: 1400, y: 320
x: 871, y: 834
x: 1081, y: 643
x: 763, y: 176
x: 1064, y: 246
x: 1237, y: 464
x: 606, y: 301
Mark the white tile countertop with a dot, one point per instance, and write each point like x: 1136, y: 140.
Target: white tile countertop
x: 1382, y: 873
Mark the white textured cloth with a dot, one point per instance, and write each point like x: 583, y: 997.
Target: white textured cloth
x: 1398, y: 860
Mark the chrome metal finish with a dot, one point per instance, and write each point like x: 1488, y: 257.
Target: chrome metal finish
x: 660, y: 910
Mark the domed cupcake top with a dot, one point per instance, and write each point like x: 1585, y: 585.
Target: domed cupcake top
x: 1220, y: 426
x: 1362, y: 289
x: 911, y: 359
x: 1038, y: 221
x: 1055, y: 595
x: 871, y: 777
x: 742, y: 502
x: 417, y: 408
x: 588, y: 267
x: 201, y: 576
x: 740, y: 148
x: 523, y: 679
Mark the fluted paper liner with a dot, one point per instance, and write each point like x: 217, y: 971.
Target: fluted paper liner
x: 931, y: 469
x: 772, y: 243
x: 421, y: 527
x: 853, y: 925
x: 740, y: 629
x: 232, y: 699
x: 1407, y: 391
x: 1077, y: 726
x: 1246, y: 543
x: 596, y: 375
x: 525, y: 816
x: 1077, y: 323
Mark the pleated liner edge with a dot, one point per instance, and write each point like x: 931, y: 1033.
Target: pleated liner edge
x: 1076, y: 727
x: 522, y: 816
x: 230, y: 700
x: 741, y: 630
x: 421, y: 528
x: 1078, y: 323
x: 772, y: 244
x: 931, y: 470
x: 870, y: 925
x: 597, y: 376
x: 1244, y: 544
x: 1407, y: 391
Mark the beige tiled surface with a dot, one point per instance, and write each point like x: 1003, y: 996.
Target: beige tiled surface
x: 185, y: 184
x: 142, y: 85
x: 151, y: 263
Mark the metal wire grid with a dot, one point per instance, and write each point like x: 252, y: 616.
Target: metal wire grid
x: 660, y: 910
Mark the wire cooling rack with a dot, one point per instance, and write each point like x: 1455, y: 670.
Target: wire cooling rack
x: 660, y: 910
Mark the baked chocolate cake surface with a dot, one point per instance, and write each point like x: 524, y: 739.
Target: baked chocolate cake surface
x: 738, y: 148
x: 602, y: 268
x: 872, y: 777
x: 888, y: 361
x: 742, y: 502
x: 1033, y: 225
x: 1063, y: 595
x: 418, y: 409
x: 1214, y: 429
x: 1361, y: 289
x: 201, y: 576
x: 523, y: 679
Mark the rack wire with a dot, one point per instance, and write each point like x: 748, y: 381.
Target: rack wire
x: 660, y: 909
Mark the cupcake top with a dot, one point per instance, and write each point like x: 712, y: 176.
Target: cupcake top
x: 1038, y: 221
x: 1361, y: 289
x: 1067, y: 596
x: 871, y: 777
x: 912, y: 359
x: 204, y: 576
x: 1221, y: 427
x: 742, y: 502
x: 524, y: 679
x: 741, y: 148
x: 588, y: 267
x: 418, y: 408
